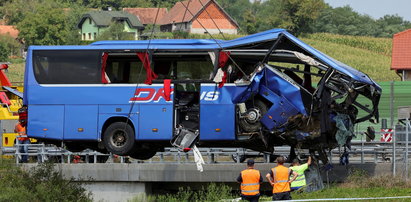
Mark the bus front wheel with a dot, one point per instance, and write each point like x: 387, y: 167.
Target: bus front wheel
x: 119, y: 138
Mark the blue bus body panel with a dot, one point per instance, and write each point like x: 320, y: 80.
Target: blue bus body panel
x: 156, y: 122
x: 48, y: 121
x: 80, y: 122
x: 217, y: 113
x: 117, y: 100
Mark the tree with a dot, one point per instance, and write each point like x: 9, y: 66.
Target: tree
x: 11, y: 44
x: 236, y: 9
x: 46, y: 26
x: 15, y: 11
x: 297, y: 15
x: 250, y: 22
x: 269, y: 15
x: 4, y: 53
x: 115, y: 32
x: 391, y: 24
x: 73, y: 15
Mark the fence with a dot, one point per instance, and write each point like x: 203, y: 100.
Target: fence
x: 401, y: 149
x: 394, y: 95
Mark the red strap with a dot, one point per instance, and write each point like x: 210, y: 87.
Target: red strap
x: 103, y: 68
x: 3, y: 78
x: 167, y: 89
x: 222, y: 62
x: 146, y: 63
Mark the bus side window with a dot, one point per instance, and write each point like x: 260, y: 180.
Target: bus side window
x: 125, y: 69
x: 163, y: 69
x: 199, y: 69
x: 67, y: 66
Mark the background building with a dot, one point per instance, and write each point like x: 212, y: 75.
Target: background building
x: 147, y: 15
x: 401, y: 54
x: 191, y: 16
x: 94, y: 23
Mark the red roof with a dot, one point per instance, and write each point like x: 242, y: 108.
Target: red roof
x: 195, y: 7
x: 401, y: 50
x: 147, y: 15
x: 9, y: 30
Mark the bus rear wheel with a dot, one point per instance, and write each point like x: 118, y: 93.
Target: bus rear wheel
x: 119, y: 138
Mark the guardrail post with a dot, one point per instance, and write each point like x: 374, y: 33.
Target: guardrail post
x: 238, y: 157
x: 43, y: 153
x: 394, y: 152
x: 362, y: 149
x: 406, y: 148
x: 95, y: 157
x: 17, y: 151
x: 392, y: 104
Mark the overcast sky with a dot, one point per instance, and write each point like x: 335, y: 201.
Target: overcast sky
x: 377, y: 8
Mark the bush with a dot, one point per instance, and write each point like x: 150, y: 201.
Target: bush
x: 41, y: 183
x: 8, y: 47
x: 4, y: 53
x: 212, y: 192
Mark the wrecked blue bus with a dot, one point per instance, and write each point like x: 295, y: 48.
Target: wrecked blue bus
x: 137, y: 97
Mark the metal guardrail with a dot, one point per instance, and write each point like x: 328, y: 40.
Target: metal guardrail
x: 368, y: 152
x: 361, y: 152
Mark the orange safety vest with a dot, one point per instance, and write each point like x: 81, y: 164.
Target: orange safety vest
x: 251, y: 182
x: 21, y: 130
x: 281, y: 178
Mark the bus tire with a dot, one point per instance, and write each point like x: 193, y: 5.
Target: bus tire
x: 119, y: 138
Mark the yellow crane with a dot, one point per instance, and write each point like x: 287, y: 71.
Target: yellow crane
x: 11, y: 100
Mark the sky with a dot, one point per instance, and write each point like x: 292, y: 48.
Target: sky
x: 377, y: 8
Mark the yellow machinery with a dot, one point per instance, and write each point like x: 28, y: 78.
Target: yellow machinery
x: 11, y: 101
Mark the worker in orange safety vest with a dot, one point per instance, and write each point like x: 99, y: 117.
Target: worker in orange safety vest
x: 250, y: 180
x: 279, y: 178
x: 23, y: 140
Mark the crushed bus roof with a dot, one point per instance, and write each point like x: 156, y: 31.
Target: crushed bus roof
x: 211, y: 44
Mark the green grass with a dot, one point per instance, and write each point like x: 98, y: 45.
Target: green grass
x: 358, y: 185
x: 373, y: 44
x: 376, y: 65
x: 16, y: 72
x: 358, y: 192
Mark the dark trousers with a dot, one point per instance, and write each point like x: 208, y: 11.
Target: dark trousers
x: 251, y: 198
x: 282, y: 196
x: 24, y: 148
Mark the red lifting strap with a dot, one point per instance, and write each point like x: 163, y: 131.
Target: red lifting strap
x: 146, y: 63
x: 167, y: 89
x: 3, y: 78
x: 222, y: 62
x: 103, y: 68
